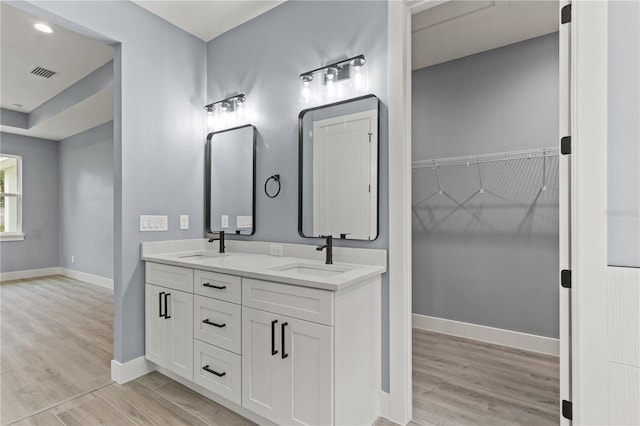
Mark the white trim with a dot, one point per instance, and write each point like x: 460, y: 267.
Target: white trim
x: 29, y: 273
x: 496, y: 336
x: 399, y: 77
x: 589, y: 64
x: 384, y: 404
x: 125, y: 372
x: 9, y: 236
x: 88, y: 278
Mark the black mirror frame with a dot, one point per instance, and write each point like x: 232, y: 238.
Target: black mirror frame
x: 207, y: 182
x: 300, y: 158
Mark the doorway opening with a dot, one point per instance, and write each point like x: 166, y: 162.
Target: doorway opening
x: 485, y: 213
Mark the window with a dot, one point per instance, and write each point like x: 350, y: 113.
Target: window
x: 10, y: 197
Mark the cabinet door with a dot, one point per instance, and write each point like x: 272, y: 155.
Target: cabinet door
x: 155, y: 325
x: 261, y: 368
x: 307, y: 387
x: 180, y: 330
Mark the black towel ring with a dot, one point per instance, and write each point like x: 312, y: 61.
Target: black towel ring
x: 276, y: 178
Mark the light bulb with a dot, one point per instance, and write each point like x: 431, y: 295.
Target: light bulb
x: 330, y: 86
x: 306, y: 90
x: 210, y: 118
x: 357, y: 79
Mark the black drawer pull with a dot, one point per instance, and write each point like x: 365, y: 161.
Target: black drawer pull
x: 206, y: 368
x: 160, y: 314
x: 273, y: 337
x: 206, y: 321
x: 217, y: 287
x: 284, y: 324
x: 166, y: 306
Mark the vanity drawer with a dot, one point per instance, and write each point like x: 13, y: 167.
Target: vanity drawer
x: 294, y: 301
x: 217, y: 370
x: 169, y: 276
x: 223, y: 323
x: 218, y: 286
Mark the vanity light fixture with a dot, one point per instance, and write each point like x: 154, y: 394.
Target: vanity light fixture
x: 330, y: 75
x: 220, y: 112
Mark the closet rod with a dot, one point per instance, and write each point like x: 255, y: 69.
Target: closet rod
x: 487, y: 158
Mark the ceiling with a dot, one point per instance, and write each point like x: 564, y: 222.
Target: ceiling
x: 207, y: 19
x: 70, y: 55
x: 455, y: 29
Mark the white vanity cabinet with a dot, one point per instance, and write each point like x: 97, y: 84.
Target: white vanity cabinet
x: 169, y: 319
x: 292, y: 354
x: 287, y: 368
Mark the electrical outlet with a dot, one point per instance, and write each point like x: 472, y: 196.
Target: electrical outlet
x: 276, y: 249
x: 72, y: 259
x: 184, y: 221
x: 224, y: 221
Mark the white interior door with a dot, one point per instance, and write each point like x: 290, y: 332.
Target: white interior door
x: 565, y: 216
x: 342, y: 175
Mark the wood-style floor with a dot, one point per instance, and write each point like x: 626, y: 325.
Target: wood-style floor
x: 56, y: 337
x: 459, y: 381
x: 56, y: 342
x: 150, y: 400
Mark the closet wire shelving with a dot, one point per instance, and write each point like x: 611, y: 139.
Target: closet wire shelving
x: 513, y: 193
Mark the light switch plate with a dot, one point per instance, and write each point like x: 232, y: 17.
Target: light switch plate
x: 151, y: 223
x: 224, y: 221
x: 184, y: 221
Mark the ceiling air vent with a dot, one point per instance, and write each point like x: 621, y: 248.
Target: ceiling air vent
x: 43, y: 72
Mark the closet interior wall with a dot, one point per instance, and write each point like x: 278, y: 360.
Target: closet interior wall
x: 488, y: 257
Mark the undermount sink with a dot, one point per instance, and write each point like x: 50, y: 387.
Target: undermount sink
x: 202, y: 256
x: 312, y: 269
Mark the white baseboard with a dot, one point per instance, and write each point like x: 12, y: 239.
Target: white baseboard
x: 29, y: 273
x: 498, y: 336
x: 384, y: 404
x: 123, y: 373
x: 89, y: 278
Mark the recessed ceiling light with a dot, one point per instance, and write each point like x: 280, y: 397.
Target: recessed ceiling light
x: 43, y: 27
x: 16, y: 105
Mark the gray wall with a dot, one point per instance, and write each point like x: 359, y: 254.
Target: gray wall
x: 496, y: 273
x: 86, y: 201
x: 40, y: 204
x: 624, y: 134
x: 159, y: 133
x: 263, y: 58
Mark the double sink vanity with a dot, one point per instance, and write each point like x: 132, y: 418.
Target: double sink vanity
x: 287, y: 338
x: 281, y: 333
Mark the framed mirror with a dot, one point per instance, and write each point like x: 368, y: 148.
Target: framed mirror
x: 230, y: 181
x: 338, y: 170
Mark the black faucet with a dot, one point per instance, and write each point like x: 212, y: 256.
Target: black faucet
x: 329, y: 247
x: 221, y: 238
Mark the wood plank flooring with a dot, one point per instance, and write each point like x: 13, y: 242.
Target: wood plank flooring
x: 56, y: 342
x: 56, y: 337
x: 460, y: 381
x: 150, y: 400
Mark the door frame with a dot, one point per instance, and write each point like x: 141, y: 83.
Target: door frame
x: 588, y: 120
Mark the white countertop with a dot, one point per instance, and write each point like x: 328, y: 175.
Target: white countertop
x: 266, y: 267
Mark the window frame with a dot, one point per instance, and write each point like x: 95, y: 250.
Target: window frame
x: 17, y: 235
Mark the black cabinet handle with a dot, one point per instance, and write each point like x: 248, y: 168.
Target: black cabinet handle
x: 206, y: 321
x: 273, y: 337
x: 217, y: 287
x: 166, y: 306
x: 160, y: 314
x: 206, y: 368
x: 284, y: 324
